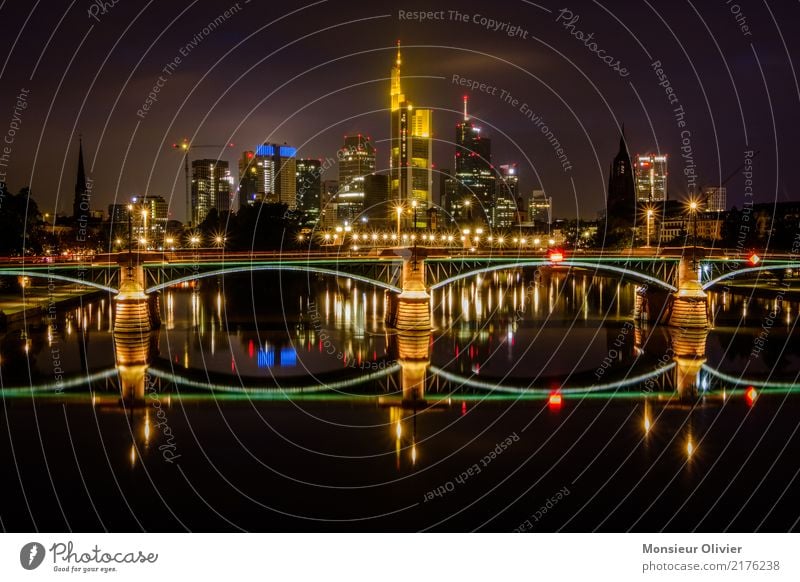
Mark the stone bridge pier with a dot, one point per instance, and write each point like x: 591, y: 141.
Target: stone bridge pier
x: 689, y: 304
x: 136, y: 311
x: 410, y: 310
x: 685, y: 308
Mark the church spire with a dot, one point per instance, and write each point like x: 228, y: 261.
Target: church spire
x: 623, y: 147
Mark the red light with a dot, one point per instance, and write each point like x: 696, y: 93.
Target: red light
x: 754, y: 259
x: 556, y: 256
x: 463, y: 407
x: 250, y: 155
x: 750, y: 395
x: 554, y: 400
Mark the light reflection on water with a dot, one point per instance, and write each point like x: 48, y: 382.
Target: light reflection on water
x: 320, y: 392
x: 520, y: 328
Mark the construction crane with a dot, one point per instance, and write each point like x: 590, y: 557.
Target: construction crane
x: 185, y: 146
x: 704, y: 199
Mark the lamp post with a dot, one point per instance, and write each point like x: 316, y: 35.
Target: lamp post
x: 130, y: 235
x: 399, y: 210
x: 144, y: 227
x: 414, y: 233
x: 649, y: 218
x: 693, y: 206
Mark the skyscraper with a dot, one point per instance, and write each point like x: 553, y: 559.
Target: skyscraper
x: 277, y: 173
x: 376, y: 191
x: 150, y: 216
x: 309, y: 187
x: 356, y: 160
x: 651, y: 178
x: 411, y: 162
x: 621, y: 202
x: 509, y: 175
x: 716, y: 199
x: 448, y: 193
x: 476, y: 180
x: 211, y: 188
x: 504, y: 209
x: 249, y: 192
x: 540, y: 209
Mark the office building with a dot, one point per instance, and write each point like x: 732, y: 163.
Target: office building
x: 540, y: 209
x: 356, y: 160
x: 277, y: 173
x: 249, y: 192
x: 411, y: 161
x: 376, y: 192
x: 476, y: 178
x: 448, y: 195
x: 309, y: 187
x: 715, y: 199
x: 651, y: 178
x: 150, y: 217
x: 211, y: 188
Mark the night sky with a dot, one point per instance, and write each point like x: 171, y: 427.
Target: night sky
x: 308, y: 73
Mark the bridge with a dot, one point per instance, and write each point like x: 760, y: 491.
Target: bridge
x: 408, y: 275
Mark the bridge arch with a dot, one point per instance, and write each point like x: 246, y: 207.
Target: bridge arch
x: 57, y: 277
x: 759, y: 269
x: 530, y: 391
x: 604, y: 267
x: 253, y: 268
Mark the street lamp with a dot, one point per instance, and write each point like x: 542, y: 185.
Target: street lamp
x: 130, y: 235
x: 144, y: 226
x: 399, y: 210
x: 693, y: 208
x: 414, y: 235
x: 649, y: 218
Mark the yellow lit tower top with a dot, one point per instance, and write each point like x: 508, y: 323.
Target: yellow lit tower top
x: 397, y: 92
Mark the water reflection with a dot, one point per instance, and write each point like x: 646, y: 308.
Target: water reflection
x: 524, y: 332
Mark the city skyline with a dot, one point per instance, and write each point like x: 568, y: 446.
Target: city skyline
x: 346, y: 100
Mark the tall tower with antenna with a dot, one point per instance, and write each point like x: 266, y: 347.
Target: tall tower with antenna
x: 411, y: 152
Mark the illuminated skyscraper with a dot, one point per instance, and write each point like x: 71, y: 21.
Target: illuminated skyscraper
x: 356, y: 160
x: 448, y: 192
x: 249, y: 192
x: 476, y: 179
x: 540, y: 209
x: 509, y: 187
x: 150, y: 215
x: 211, y: 188
x: 309, y: 187
x: 411, y: 163
x: 277, y: 173
x: 651, y: 178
